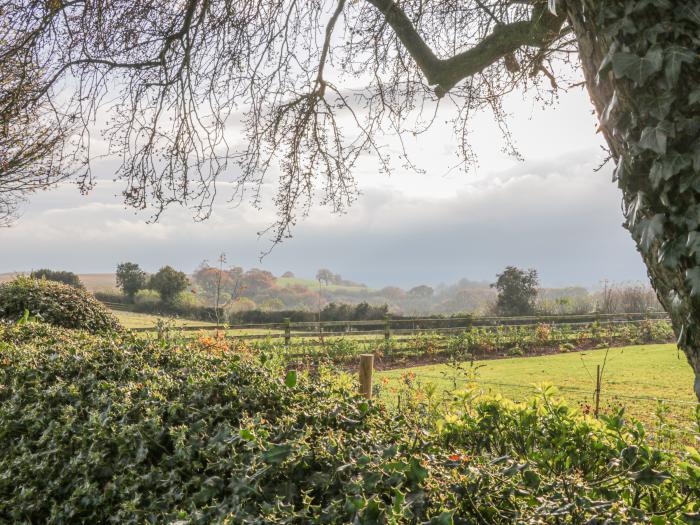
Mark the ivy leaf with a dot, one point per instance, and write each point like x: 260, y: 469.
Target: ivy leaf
x: 671, y: 251
x: 694, y: 96
x: 636, y: 68
x: 693, y: 243
x: 277, y: 453
x: 667, y: 167
x: 651, y: 229
x: 660, y: 106
x: 635, y: 207
x: 654, y: 139
x: 696, y: 157
x: 675, y: 57
x: 291, y: 379
x: 606, y: 63
x: 692, y: 275
x: 619, y: 173
x: 608, y: 113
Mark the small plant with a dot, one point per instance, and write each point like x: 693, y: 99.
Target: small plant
x: 543, y: 333
x: 515, y: 351
x: 567, y: 347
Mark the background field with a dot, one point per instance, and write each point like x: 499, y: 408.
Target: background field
x: 634, y: 377
x: 94, y: 282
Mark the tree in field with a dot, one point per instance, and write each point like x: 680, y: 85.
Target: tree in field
x: 60, y: 276
x: 517, y: 291
x: 422, y: 291
x: 168, y: 282
x: 130, y: 279
x: 325, y: 276
x: 177, y: 72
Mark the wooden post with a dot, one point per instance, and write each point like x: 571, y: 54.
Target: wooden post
x: 597, y: 391
x: 387, y: 328
x: 287, y: 331
x: 366, y: 369
x: 320, y: 332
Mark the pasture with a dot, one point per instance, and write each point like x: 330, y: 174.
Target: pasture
x: 635, y: 377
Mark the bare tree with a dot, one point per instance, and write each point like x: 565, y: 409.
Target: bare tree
x: 166, y: 78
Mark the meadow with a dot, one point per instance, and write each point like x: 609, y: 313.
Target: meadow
x: 635, y: 377
x: 648, y: 381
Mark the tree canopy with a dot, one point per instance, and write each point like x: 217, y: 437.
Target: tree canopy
x: 517, y: 291
x: 312, y: 85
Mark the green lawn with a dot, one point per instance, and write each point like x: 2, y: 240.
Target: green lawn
x: 650, y: 372
x: 140, y: 320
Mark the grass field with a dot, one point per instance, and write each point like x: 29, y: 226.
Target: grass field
x: 94, y: 282
x: 140, y: 320
x: 648, y: 372
x: 313, y: 285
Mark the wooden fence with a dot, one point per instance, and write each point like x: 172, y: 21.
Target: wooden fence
x: 397, y: 330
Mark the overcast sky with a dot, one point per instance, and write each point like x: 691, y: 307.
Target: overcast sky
x: 552, y: 212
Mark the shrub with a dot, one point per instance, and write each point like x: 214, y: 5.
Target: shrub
x: 147, y: 298
x: 68, y: 278
x: 55, y: 303
x: 185, y: 301
x: 567, y: 347
x: 118, y: 429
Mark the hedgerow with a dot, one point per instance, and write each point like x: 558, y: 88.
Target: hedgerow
x: 55, y: 303
x: 118, y: 429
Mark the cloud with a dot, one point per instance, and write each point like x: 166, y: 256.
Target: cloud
x: 558, y: 216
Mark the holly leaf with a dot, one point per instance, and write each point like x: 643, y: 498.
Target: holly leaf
x: 636, y: 68
x: 649, y: 476
x: 676, y: 56
x: 277, y: 453
x: 291, y: 379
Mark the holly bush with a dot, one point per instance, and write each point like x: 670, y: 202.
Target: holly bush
x: 55, y: 303
x: 115, y: 428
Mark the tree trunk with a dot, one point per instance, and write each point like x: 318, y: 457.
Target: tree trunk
x: 651, y: 125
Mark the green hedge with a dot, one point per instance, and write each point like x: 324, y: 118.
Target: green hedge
x: 98, y: 429
x: 55, y: 303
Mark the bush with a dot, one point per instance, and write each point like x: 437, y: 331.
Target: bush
x: 147, y: 298
x: 184, y: 301
x: 118, y: 429
x: 55, y: 303
x: 68, y: 278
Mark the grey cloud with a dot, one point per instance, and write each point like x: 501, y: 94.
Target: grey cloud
x: 557, y: 216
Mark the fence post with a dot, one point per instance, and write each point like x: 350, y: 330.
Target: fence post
x: 597, y: 391
x: 387, y: 328
x: 366, y: 369
x: 320, y: 332
x: 287, y: 331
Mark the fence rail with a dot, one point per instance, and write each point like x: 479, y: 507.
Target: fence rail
x: 393, y: 325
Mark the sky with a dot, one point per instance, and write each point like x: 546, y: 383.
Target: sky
x: 551, y: 211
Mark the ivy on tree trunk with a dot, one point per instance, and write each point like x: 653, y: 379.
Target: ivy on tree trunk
x: 642, y: 70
